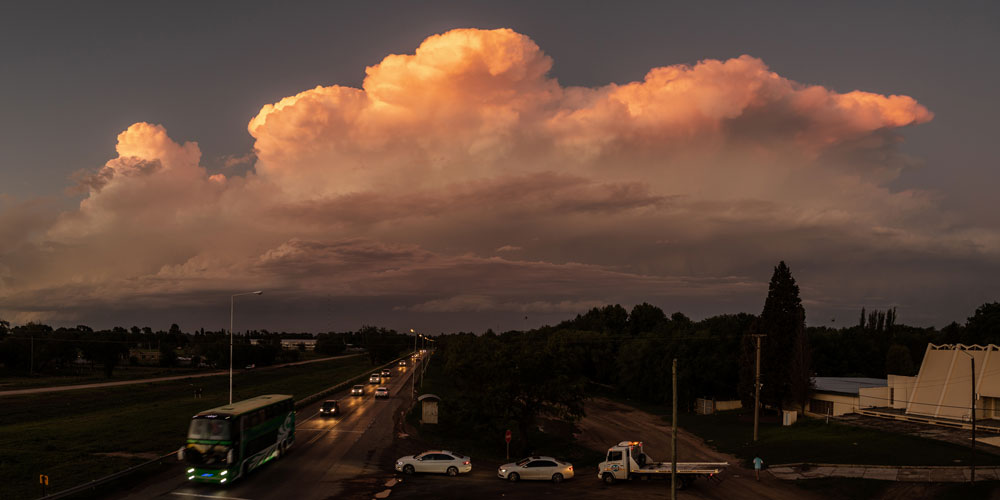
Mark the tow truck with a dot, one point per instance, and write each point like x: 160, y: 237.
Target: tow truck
x: 626, y: 460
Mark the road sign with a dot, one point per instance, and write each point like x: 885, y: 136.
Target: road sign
x: 506, y: 436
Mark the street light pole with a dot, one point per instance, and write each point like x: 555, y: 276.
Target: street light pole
x: 232, y: 309
x: 972, y: 360
x: 413, y: 376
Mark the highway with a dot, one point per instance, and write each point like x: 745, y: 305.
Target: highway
x: 328, y: 452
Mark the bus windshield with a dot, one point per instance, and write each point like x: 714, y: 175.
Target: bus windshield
x: 209, y: 429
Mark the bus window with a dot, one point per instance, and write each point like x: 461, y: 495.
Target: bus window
x: 209, y: 429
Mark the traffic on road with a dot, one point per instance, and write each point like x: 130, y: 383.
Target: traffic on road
x: 250, y: 450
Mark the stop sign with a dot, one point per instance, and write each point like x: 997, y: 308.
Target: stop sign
x: 506, y: 436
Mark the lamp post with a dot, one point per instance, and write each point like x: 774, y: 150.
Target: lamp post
x: 232, y: 308
x: 413, y: 376
x: 972, y: 360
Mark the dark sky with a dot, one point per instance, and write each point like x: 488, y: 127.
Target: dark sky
x: 75, y: 74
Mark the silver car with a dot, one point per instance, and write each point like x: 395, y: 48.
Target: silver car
x: 543, y: 468
x: 443, y: 461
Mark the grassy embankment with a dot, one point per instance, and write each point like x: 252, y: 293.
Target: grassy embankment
x: 87, y: 375
x: 66, y: 434
x: 461, y: 437
x: 815, y: 441
x: 95, y: 374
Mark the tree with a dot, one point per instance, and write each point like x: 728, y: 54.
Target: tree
x: 785, y: 357
x: 645, y: 318
x: 898, y: 360
x: 330, y: 344
x: 106, y: 348
x: 984, y: 326
x: 168, y: 355
x: 509, y: 381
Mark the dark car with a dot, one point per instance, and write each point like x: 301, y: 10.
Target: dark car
x: 330, y: 408
x: 386, y: 372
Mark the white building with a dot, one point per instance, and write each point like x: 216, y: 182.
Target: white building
x: 943, y: 387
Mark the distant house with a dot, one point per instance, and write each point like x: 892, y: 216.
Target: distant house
x: 145, y: 356
x: 292, y: 344
x: 835, y: 396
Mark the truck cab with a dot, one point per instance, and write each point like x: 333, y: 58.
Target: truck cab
x: 622, y: 459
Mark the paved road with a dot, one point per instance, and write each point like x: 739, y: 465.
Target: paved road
x: 60, y: 388
x: 327, y: 454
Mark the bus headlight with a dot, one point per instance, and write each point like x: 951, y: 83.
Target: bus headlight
x: 223, y: 480
x: 224, y: 473
x: 190, y: 477
x: 190, y: 470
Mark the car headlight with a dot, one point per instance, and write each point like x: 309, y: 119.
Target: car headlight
x: 503, y: 471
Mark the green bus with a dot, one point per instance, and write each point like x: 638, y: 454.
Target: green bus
x: 225, y: 443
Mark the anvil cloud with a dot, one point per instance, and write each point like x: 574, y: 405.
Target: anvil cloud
x: 464, y: 179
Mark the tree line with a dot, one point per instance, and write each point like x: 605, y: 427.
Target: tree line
x: 512, y: 379
x: 35, y: 348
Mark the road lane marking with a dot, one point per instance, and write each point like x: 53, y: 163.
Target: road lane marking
x: 206, y: 496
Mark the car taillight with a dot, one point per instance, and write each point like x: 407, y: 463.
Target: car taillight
x: 570, y: 467
x: 466, y: 462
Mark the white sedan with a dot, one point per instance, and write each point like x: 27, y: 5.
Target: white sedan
x: 544, y: 468
x: 442, y: 462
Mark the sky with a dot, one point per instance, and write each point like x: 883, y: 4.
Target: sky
x: 458, y: 166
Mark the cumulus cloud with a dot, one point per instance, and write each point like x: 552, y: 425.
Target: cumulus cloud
x: 688, y: 186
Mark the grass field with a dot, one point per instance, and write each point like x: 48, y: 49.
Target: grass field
x: 66, y: 434
x: 813, y: 440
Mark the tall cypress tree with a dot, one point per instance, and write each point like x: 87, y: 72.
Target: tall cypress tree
x: 785, y: 351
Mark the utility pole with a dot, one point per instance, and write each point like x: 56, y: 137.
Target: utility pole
x: 673, y: 439
x: 756, y: 390
x: 31, y: 361
x: 973, y: 361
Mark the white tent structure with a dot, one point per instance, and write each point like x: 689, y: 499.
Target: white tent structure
x: 943, y: 387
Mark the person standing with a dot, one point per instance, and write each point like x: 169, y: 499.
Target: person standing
x: 757, y: 462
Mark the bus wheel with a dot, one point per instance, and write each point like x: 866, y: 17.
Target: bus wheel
x: 609, y: 478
